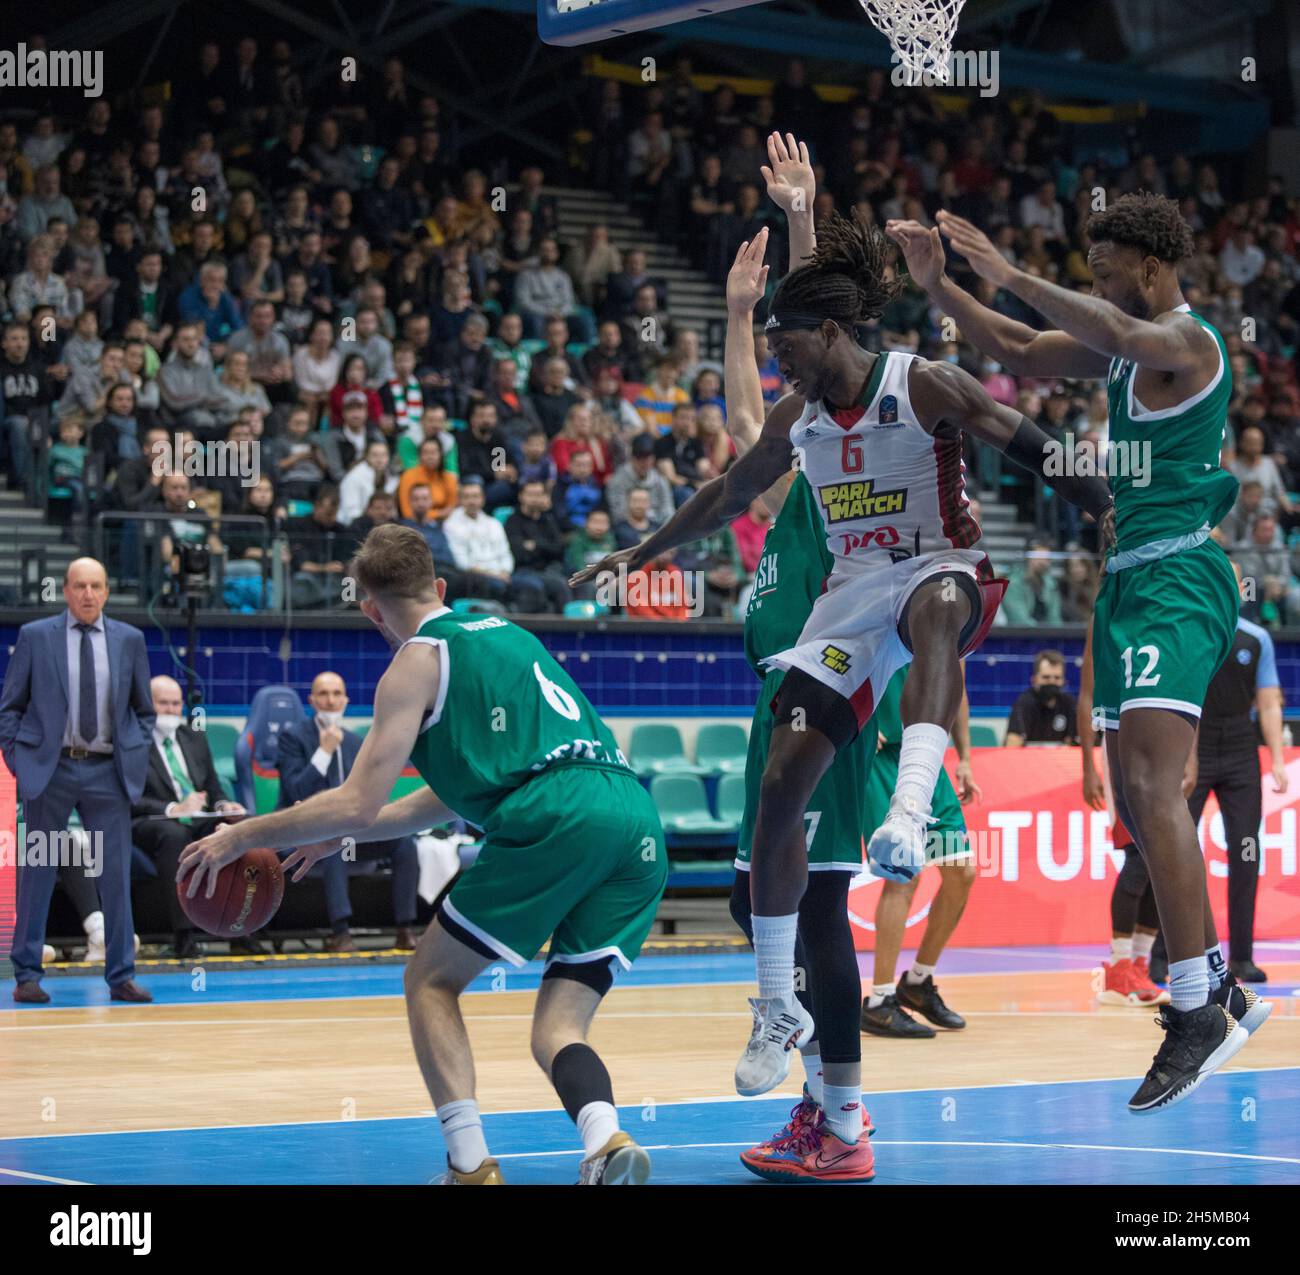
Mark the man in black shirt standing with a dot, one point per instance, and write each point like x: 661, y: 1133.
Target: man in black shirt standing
x: 537, y: 543
x: 24, y: 395
x: 1046, y: 712
x: 1227, y: 754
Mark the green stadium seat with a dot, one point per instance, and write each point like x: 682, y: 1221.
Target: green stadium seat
x: 266, y: 789
x: 221, y: 740
x: 731, y: 799
x: 477, y: 606
x: 720, y: 748
x: 657, y: 749
x: 502, y: 512
x: 532, y: 345
x: 982, y: 736
x: 683, y: 806
x: 577, y: 348
x: 584, y: 610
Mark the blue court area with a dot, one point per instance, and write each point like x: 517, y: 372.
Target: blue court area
x: 1239, y: 1128
x: 990, y: 1135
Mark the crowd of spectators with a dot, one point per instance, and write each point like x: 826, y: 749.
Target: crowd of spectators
x: 324, y: 278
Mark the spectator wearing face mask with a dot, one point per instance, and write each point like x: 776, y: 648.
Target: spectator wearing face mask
x: 1046, y: 712
x: 318, y: 754
x: 181, y: 782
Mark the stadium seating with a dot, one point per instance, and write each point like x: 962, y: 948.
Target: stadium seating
x: 657, y: 749
x: 684, y: 808
x: 720, y: 748
x: 274, y: 708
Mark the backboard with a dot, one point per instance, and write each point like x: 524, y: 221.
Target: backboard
x: 583, y: 21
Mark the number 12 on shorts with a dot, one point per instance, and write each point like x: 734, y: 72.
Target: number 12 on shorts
x: 1148, y: 675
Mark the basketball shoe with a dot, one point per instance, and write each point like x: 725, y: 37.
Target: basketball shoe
x: 896, y: 850
x: 1247, y: 1008
x: 806, y: 1112
x: 814, y: 1153
x: 487, y: 1174
x: 620, y: 1162
x: 1197, y: 1043
x: 779, y: 1026
x: 1126, y: 986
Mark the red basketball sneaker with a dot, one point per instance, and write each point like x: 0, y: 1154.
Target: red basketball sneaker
x: 1144, y: 985
x: 807, y: 1112
x: 1123, y: 987
x: 814, y: 1153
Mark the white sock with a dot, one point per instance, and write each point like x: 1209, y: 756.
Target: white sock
x: 919, y: 973
x: 843, y: 1112
x: 878, y: 993
x: 919, y: 763
x: 597, y: 1123
x: 774, y: 951
x: 462, y: 1131
x: 812, y: 1066
x: 1121, y: 949
x: 1189, y: 983
x: 1217, y: 970
x: 94, y: 922
x: 1142, y: 945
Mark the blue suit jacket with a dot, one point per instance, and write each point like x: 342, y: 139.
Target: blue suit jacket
x: 34, y: 704
x: 299, y: 779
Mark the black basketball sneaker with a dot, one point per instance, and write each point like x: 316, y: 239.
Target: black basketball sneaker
x: 1247, y: 1008
x: 887, y: 1019
x: 924, y: 999
x: 1197, y: 1043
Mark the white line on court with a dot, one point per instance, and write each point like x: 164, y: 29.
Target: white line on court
x: 774, y: 1096
x: 40, y: 1177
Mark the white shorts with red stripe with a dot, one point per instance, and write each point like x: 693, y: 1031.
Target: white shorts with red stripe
x: 851, y: 641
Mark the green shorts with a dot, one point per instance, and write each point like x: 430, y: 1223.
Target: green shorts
x: 577, y: 856
x: 1160, y: 632
x: 947, y: 838
x: 834, y: 821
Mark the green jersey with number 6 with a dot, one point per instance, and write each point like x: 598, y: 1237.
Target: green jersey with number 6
x: 506, y: 711
x: 789, y: 579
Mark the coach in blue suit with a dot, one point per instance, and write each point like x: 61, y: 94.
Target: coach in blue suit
x: 318, y: 754
x: 76, y: 718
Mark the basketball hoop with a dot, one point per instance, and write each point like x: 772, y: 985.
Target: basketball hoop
x: 920, y: 31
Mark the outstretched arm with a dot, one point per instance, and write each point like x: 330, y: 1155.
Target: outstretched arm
x: 944, y: 395
x: 403, y: 694
x: 718, y: 502
x: 1172, y: 343
x: 1018, y: 347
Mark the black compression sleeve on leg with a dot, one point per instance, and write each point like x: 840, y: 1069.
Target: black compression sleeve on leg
x: 741, y: 911
x: 1148, y: 915
x: 832, y: 965
x: 1033, y: 449
x: 1131, y: 884
x: 580, y: 1078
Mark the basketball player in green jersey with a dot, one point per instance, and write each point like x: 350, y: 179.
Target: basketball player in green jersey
x: 573, y: 850
x: 1167, y: 610
x: 947, y: 849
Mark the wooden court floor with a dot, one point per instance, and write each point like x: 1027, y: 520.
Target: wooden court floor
x: 169, y: 1066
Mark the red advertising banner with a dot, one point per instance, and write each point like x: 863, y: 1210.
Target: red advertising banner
x: 1046, y: 864
x: 8, y: 858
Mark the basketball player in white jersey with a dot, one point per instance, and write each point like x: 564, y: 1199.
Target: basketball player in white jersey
x: 878, y: 437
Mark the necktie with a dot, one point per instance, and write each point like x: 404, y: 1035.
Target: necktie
x: 88, y: 708
x: 174, y: 765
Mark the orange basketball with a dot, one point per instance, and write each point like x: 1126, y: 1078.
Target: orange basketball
x: 247, y: 896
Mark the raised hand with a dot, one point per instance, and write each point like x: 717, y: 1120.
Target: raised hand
x: 789, y: 174
x: 747, y: 279
x: 976, y: 247
x: 922, y: 250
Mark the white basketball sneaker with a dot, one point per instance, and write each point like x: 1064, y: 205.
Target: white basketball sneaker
x: 896, y: 850
x: 779, y: 1025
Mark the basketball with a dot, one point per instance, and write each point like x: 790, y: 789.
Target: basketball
x: 247, y: 896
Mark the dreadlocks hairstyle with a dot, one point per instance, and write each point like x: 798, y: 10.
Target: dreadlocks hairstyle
x: 1150, y: 223
x: 846, y: 279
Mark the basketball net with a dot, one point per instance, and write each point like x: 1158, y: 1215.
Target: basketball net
x: 920, y: 31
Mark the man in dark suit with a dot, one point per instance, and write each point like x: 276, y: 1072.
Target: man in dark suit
x: 182, y: 781
x: 318, y: 754
x: 75, y: 721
